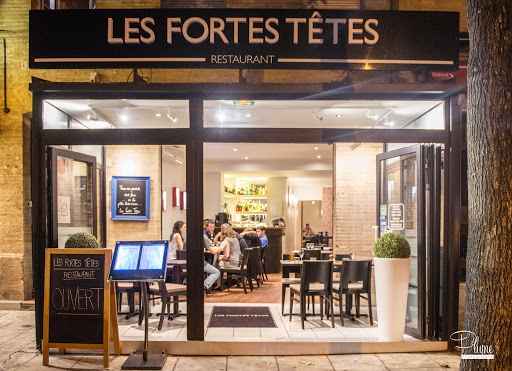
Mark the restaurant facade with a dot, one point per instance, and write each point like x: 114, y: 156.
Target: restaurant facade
x: 191, y: 60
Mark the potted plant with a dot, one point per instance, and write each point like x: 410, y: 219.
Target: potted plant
x: 82, y: 240
x: 391, y: 262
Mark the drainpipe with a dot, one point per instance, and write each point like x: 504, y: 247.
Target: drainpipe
x: 6, y: 110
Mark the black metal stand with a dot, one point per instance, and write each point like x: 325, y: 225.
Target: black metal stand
x: 145, y: 361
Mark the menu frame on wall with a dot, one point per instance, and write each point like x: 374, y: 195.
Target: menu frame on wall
x: 119, y: 214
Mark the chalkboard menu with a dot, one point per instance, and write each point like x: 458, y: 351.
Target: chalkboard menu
x: 76, y: 298
x: 130, y: 198
x: 79, y: 302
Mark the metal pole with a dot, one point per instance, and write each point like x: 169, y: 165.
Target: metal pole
x: 146, y: 319
x: 6, y: 110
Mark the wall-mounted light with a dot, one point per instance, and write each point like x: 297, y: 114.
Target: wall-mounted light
x: 183, y: 200
x: 164, y: 201
x: 176, y: 196
x: 317, y: 115
x: 170, y: 117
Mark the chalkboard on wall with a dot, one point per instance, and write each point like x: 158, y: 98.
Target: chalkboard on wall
x: 79, y: 303
x: 130, y: 198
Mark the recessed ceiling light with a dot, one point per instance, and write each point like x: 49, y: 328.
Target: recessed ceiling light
x: 316, y: 147
x: 246, y: 158
x: 235, y: 149
x: 158, y: 115
x: 247, y: 115
x: 318, y: 156
x: 338, y: 115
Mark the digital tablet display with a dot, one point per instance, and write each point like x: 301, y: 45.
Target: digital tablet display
x: 152, y: 256
x: 127, y: 257
x: 139, y: 261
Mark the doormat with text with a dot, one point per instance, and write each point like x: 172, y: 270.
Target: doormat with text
x: 241, y: 317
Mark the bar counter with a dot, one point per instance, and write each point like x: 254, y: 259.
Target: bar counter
x: 275, y: 242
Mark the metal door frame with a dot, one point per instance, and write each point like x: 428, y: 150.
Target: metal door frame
x: 416, y: 151
x: 53, y: 227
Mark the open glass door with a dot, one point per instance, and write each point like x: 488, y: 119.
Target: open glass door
x: 405, y: 196
x: 72, y: 195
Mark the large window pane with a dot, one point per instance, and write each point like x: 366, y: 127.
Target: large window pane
x: 115, y: 113
x: 360, y: 114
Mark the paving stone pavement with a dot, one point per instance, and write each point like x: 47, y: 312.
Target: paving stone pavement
x: 18, y: 352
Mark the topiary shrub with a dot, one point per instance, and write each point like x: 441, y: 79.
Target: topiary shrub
x: 82, y: 240
x: 392, y: 245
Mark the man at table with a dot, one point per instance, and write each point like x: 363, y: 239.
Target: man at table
x: 213, y: 273
x: 262, y: 234
x: 307, y: 232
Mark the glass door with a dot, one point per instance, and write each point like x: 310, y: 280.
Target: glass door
x: 72, y: 195
x: 404, y: 205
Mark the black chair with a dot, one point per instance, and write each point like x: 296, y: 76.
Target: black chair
x: 340, y: 257
x: 286, y: 282
x: 263, y: 258
x: 312, y: 253
x: 288, y: 256
x: 315, y: 280
x: 130, y: 289
x: 240, y: 271
x: 181, y: 254
x: 169, y: 293
x: 355, y: 279
x: 254, y: 265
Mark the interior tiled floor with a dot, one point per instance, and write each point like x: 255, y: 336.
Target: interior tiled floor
x: 286, y: 330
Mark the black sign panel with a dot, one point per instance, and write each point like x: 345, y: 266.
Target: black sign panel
x: 244, y: 38
x: 76, y: 298
x: 130, y: 198
x: 396, y: 217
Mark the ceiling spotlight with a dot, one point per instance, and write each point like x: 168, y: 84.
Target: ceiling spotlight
x: 158, y: 115
x: 122, y: 113
x: 338, y: 115
x: 317, y: 116
x: 247, y: 115
x: 318, y: 156
x: 316, y: 147
x: 170, y: 117
x: 371, y: 115
x: 246, y: 158
x: 235, y: 149
x: 388, y: 122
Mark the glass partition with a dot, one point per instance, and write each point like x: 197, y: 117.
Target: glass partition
x: 324, y: 114
x: 115, y: 113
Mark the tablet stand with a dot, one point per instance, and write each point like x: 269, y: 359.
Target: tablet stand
x: 145, y: 361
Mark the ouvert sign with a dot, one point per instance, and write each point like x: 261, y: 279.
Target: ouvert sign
x: 244, y: 38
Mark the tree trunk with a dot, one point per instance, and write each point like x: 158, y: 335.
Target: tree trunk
x: 489, y: 136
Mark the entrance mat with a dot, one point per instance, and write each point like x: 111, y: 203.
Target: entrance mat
x: 241, y: 317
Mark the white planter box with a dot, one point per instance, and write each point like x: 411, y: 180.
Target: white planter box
x: 391, y: 286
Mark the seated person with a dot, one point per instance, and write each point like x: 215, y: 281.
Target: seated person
x: 251, y: 237
x: 307, y: 232
x: 177, y: 237
x: 262, y: 234
x: 213, y: 273
x: 242, y: 242
x: 230, y: 245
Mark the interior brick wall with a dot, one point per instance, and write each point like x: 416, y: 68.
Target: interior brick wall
x: 135, y: 161
x: 355, y: 197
